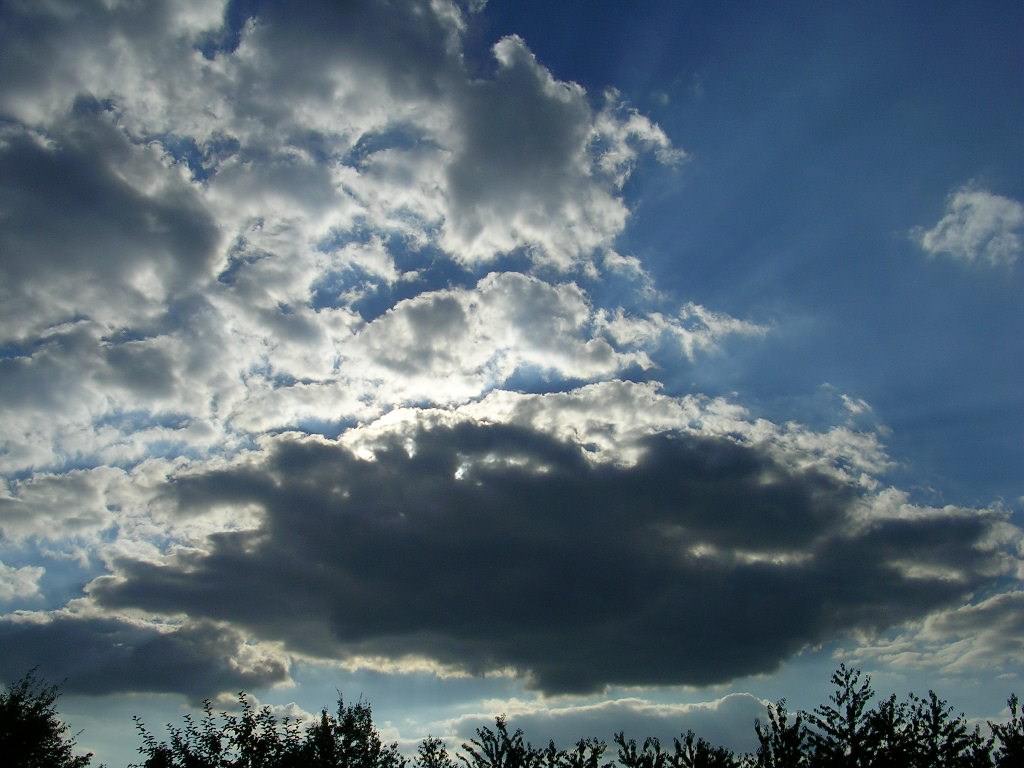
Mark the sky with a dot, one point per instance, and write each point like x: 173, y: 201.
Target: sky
x: 614, y: 366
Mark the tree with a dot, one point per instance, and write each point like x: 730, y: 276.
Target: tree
x: 841, y: 738
x: 500, y: 749
x: 432, y: 753
x: 31, y: 734
x: 256, y: 739
x: 585, y: 753
x: 650, y: 755
x: 891, y: 737
x: 941, y: 739
x: 1011, y: 736
x: 781, y: 744
x: 694, y: 752
x: 348, y: 740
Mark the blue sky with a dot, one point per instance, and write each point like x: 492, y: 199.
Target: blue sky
x: 303, y: 306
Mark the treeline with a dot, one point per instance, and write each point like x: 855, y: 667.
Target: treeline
x: 845, y: 732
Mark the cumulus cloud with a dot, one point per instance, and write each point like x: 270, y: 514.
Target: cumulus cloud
x: 978, y: 227
x: 521, y: 173
x: 93, y: 226
x: 110, y: 655
x: 58, y: 505
x: 193, y: 214
x: 19, y: 583
x: 728, y: 721
x: 986, y: 635
x: 496, y: 546
x: 452, y: 344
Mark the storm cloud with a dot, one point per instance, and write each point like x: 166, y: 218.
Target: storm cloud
x: 97, y: 655
x: 497, y: 546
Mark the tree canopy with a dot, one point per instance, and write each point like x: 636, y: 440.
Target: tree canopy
x: 850, y: 730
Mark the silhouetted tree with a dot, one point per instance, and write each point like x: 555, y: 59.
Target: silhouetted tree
x: 841, y: 738
x: 256, y: 739
x: 890, y: 736
x: 500, y: 749
x: 31, y: 733
x: 920, y: 732
x: 348, y: 740
x: 432, y: 753
x: 1011, y: 736
x: 694, y: 752
x: 781, y: 744
x: 585, y: 753
x: 650, y: 755
x: 941, y: 739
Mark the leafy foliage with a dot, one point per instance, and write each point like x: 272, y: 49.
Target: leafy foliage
x: 781, y: 743
x: 432, y: 753
x: 256, y: 739
x: 1010, y: 736
x: 841, y: 738
x: 31, y: 734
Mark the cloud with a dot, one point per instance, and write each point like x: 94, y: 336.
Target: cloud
x: 453, y: 344
x: 520, y: 174
x: 979, y: 226
x: 728, y: 721
x: 110, y: 655
x: 986, y: 635
x: 217, y: 231
x: 93, y: 226
x: 696, y: 328
x: 19, y: 583
x: 495, y: 546
x: 61, y: 506
x: 174, y: 194
x: 533, y: 166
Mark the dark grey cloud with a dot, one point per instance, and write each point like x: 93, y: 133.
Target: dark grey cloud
x: 498, y: 546
x: 92, y: 226
x: 411, y: 47
x: 101, y: 655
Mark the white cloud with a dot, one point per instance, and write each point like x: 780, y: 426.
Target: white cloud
x: 728, y: 721
x: 534, y: 167
x: 695, y: 328
x: 450, y: 345
x: 987, y: 635
x: 19, y: 583
x: 978, y: 226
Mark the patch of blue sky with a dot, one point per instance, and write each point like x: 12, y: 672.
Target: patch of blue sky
x: 66, y: 572
x: 817, y: 142
x: 135, y: 421
x: 395, y: 697
x: 538, y: 380
x: 325, y: 427
x: 226, y: 39
x: 239, y: 256
x: 12, y: 350
x: 433, y: 269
